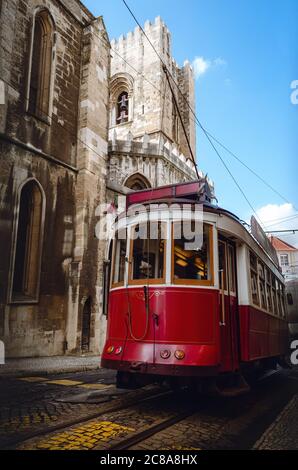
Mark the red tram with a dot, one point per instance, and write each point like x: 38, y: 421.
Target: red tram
x: 187, y: 314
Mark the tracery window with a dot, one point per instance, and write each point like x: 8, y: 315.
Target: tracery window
x: 41, y: 65
x: 27, y: 257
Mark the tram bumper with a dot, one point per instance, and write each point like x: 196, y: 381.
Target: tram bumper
x: 160, y: 369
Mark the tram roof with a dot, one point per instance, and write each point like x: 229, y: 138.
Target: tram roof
x: 198, y: 190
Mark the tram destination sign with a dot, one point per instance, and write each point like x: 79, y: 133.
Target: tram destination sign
x: 261, y: 237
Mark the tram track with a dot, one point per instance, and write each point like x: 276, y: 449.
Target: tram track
x: 126, y: 403
x: 138, y: 437
x: 135, y: 422
x: 158, y: 411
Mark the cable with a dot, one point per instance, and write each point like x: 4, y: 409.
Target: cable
x: 290, y: 231
x: 195, y: 116
x: 154, y: 86
x: 247, y: 167
x: 281, y: 222
x: 289, y: 217
x: 182, y: 123
x: 209, y: 133
x: 166, y: 70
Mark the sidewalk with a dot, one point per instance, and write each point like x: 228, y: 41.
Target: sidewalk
x: 283, y: 433
x: 48, y: 365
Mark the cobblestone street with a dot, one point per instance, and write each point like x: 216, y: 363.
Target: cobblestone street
x: 85, y: 411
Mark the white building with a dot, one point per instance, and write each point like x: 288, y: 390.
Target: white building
x: 288, y: 258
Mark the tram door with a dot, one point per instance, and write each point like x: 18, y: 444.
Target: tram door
x: 228, y: 305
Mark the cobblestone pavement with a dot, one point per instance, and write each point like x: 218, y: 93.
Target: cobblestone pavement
x: 283, y: 433
x: 105, y: 431
x: 237, y: 423
x: 62, y: 412
x: 34, y: 405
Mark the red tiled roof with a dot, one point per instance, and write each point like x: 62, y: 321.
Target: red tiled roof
x: 280, y: 245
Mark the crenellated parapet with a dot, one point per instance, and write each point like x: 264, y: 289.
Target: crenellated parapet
x: 157, y: 160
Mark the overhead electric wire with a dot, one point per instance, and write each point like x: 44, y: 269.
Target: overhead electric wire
x: 157, y: 89
x: 182, y: 123
x: 194, y: 114
x: 247, y: 167
x: 289, y: 217
x: 280, y: 223
x: 283, y: 231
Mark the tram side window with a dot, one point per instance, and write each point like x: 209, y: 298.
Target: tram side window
x: 274, y: 298
x: 148, y: 249
x: 283, y: 301
x: 192, y: 264
x: 279, y: 299
x: 232, y: 282
x: 119, y: 258
x: 261, y: 272
x: 254, y: 279
x: 290, y: 299
x: 222, y: 264
x: 268, y: 290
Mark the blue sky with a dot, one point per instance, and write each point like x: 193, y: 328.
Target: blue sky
x: 248, y: 51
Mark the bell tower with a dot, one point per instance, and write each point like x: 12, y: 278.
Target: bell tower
x: 146, y: 138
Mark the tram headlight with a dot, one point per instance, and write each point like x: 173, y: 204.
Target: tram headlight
x: 165, y: 354
x: 110, y: 349
x: 179, y: 354
x: 118, y: 351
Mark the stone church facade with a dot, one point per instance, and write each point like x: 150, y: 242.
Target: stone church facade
x: 78, y: 127
x: 54, y: 62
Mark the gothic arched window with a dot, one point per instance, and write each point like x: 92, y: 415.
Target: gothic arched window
x: 121, y: 99
x: 137, y: 182
x: 28, y: 243
x: 41, y: 65
x: 122, y: 108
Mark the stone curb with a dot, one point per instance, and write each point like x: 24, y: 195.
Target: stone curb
x: 49, y: 371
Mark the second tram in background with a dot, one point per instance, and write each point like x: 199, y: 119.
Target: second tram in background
x: 205, y: 315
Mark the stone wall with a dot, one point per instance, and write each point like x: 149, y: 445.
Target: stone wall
x: 67, y: 155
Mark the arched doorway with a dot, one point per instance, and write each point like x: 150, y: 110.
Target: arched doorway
x: 137, y: 182
x: 86, y: 324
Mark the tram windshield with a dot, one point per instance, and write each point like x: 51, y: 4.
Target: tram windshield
x: 193, y: 264
x: 148, y: 251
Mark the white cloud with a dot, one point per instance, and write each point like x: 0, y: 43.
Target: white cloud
x: 200, y: 65
x: 280, y: 217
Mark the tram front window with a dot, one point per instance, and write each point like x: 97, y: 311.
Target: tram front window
x: 147, y: 252
x: 193, y: 265
x: 119, y: 258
